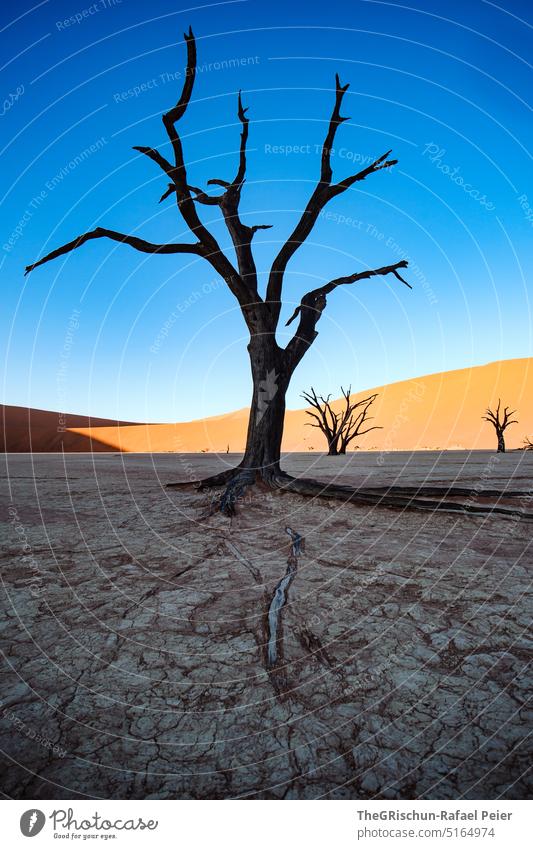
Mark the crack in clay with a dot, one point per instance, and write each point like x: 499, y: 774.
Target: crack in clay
x: 279, y: 599
x: 256, y: 575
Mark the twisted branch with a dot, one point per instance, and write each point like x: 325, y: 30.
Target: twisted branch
x: 132, y: 241
x: 323, y: 192
x: 494, y: 417
x: 313, y: 304
x: 329, y: 427
x: 229, y: 201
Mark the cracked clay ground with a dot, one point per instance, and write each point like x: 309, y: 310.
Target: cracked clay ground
x: 135, y: 636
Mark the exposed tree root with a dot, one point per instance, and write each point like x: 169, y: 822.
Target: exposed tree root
x: 442, y: 493
x: 428, y: 498
x: 405, y: 498
x: 235, y: 490
x: 449, y: 491
x: 214, y: 481
x: 274, y: 647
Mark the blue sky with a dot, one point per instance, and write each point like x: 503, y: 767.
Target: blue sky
x: 112, y: 332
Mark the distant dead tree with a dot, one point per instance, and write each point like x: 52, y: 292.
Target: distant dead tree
x: 500, y: 424
x: 339, y: 428
x: 272, y: 366
x: 528, y: 445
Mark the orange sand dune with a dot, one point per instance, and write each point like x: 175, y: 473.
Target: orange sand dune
x: 432, y: 412
x: 26, y: 429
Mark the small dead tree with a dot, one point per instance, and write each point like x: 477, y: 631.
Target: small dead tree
x: 339, y: 428
x: 500, y: 424
x: 356, y: 416
x: 528, y: 445
x: 326, y: 420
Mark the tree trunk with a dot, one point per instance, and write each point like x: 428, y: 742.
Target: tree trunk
x: 267, y: 411
x: 271, y: 374
x: 501, y: 443
x: 333, y: 448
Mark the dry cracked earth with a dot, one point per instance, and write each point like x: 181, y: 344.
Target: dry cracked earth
x: 150, y: 651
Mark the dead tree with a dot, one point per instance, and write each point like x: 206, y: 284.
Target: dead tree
x: 355, y: 417
x: 528, y: 445
x: 325, y: 419
x: 271, y: 365
x: 500, y: 425
x: 339, y: 428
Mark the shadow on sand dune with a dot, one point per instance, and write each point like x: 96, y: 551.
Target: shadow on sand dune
x: 25, y: 429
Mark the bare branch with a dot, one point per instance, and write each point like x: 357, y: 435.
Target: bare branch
x: 242, y: 286
x: 241, y: 234
x: 356, y: 420
x: 361, y: 432
x: 326, y: 172
x: 132, y: 241
x: 241, y: 172
x: 378, y: 165
x: 317, y: 201
x: 156, y: 157
x: 323, y: 192
x: 328, y: 427
x: 228, y: 202
x: 347, y: 408
x: 293, y: 316
x: 223, y: 183
x: 178, y: 171
x: 365, y: 275
x: 178, y: 111
x: 207, y: 245
x: 178, y: 174
x: 313, y: 303
x: 334, y: 418
x: 202, y: 197
x: 310, y: 424
x: 494, y: 417
x: 507, y: 417
x: 171, y: 188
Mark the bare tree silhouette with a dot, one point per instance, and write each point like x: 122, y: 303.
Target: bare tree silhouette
x: 339, y: 428
x: 271, y: 365
x: 326, y: 420
x: 500, y: 425
x: 528, y: 445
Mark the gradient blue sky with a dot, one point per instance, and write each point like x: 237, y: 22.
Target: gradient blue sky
x: 445, y: 84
